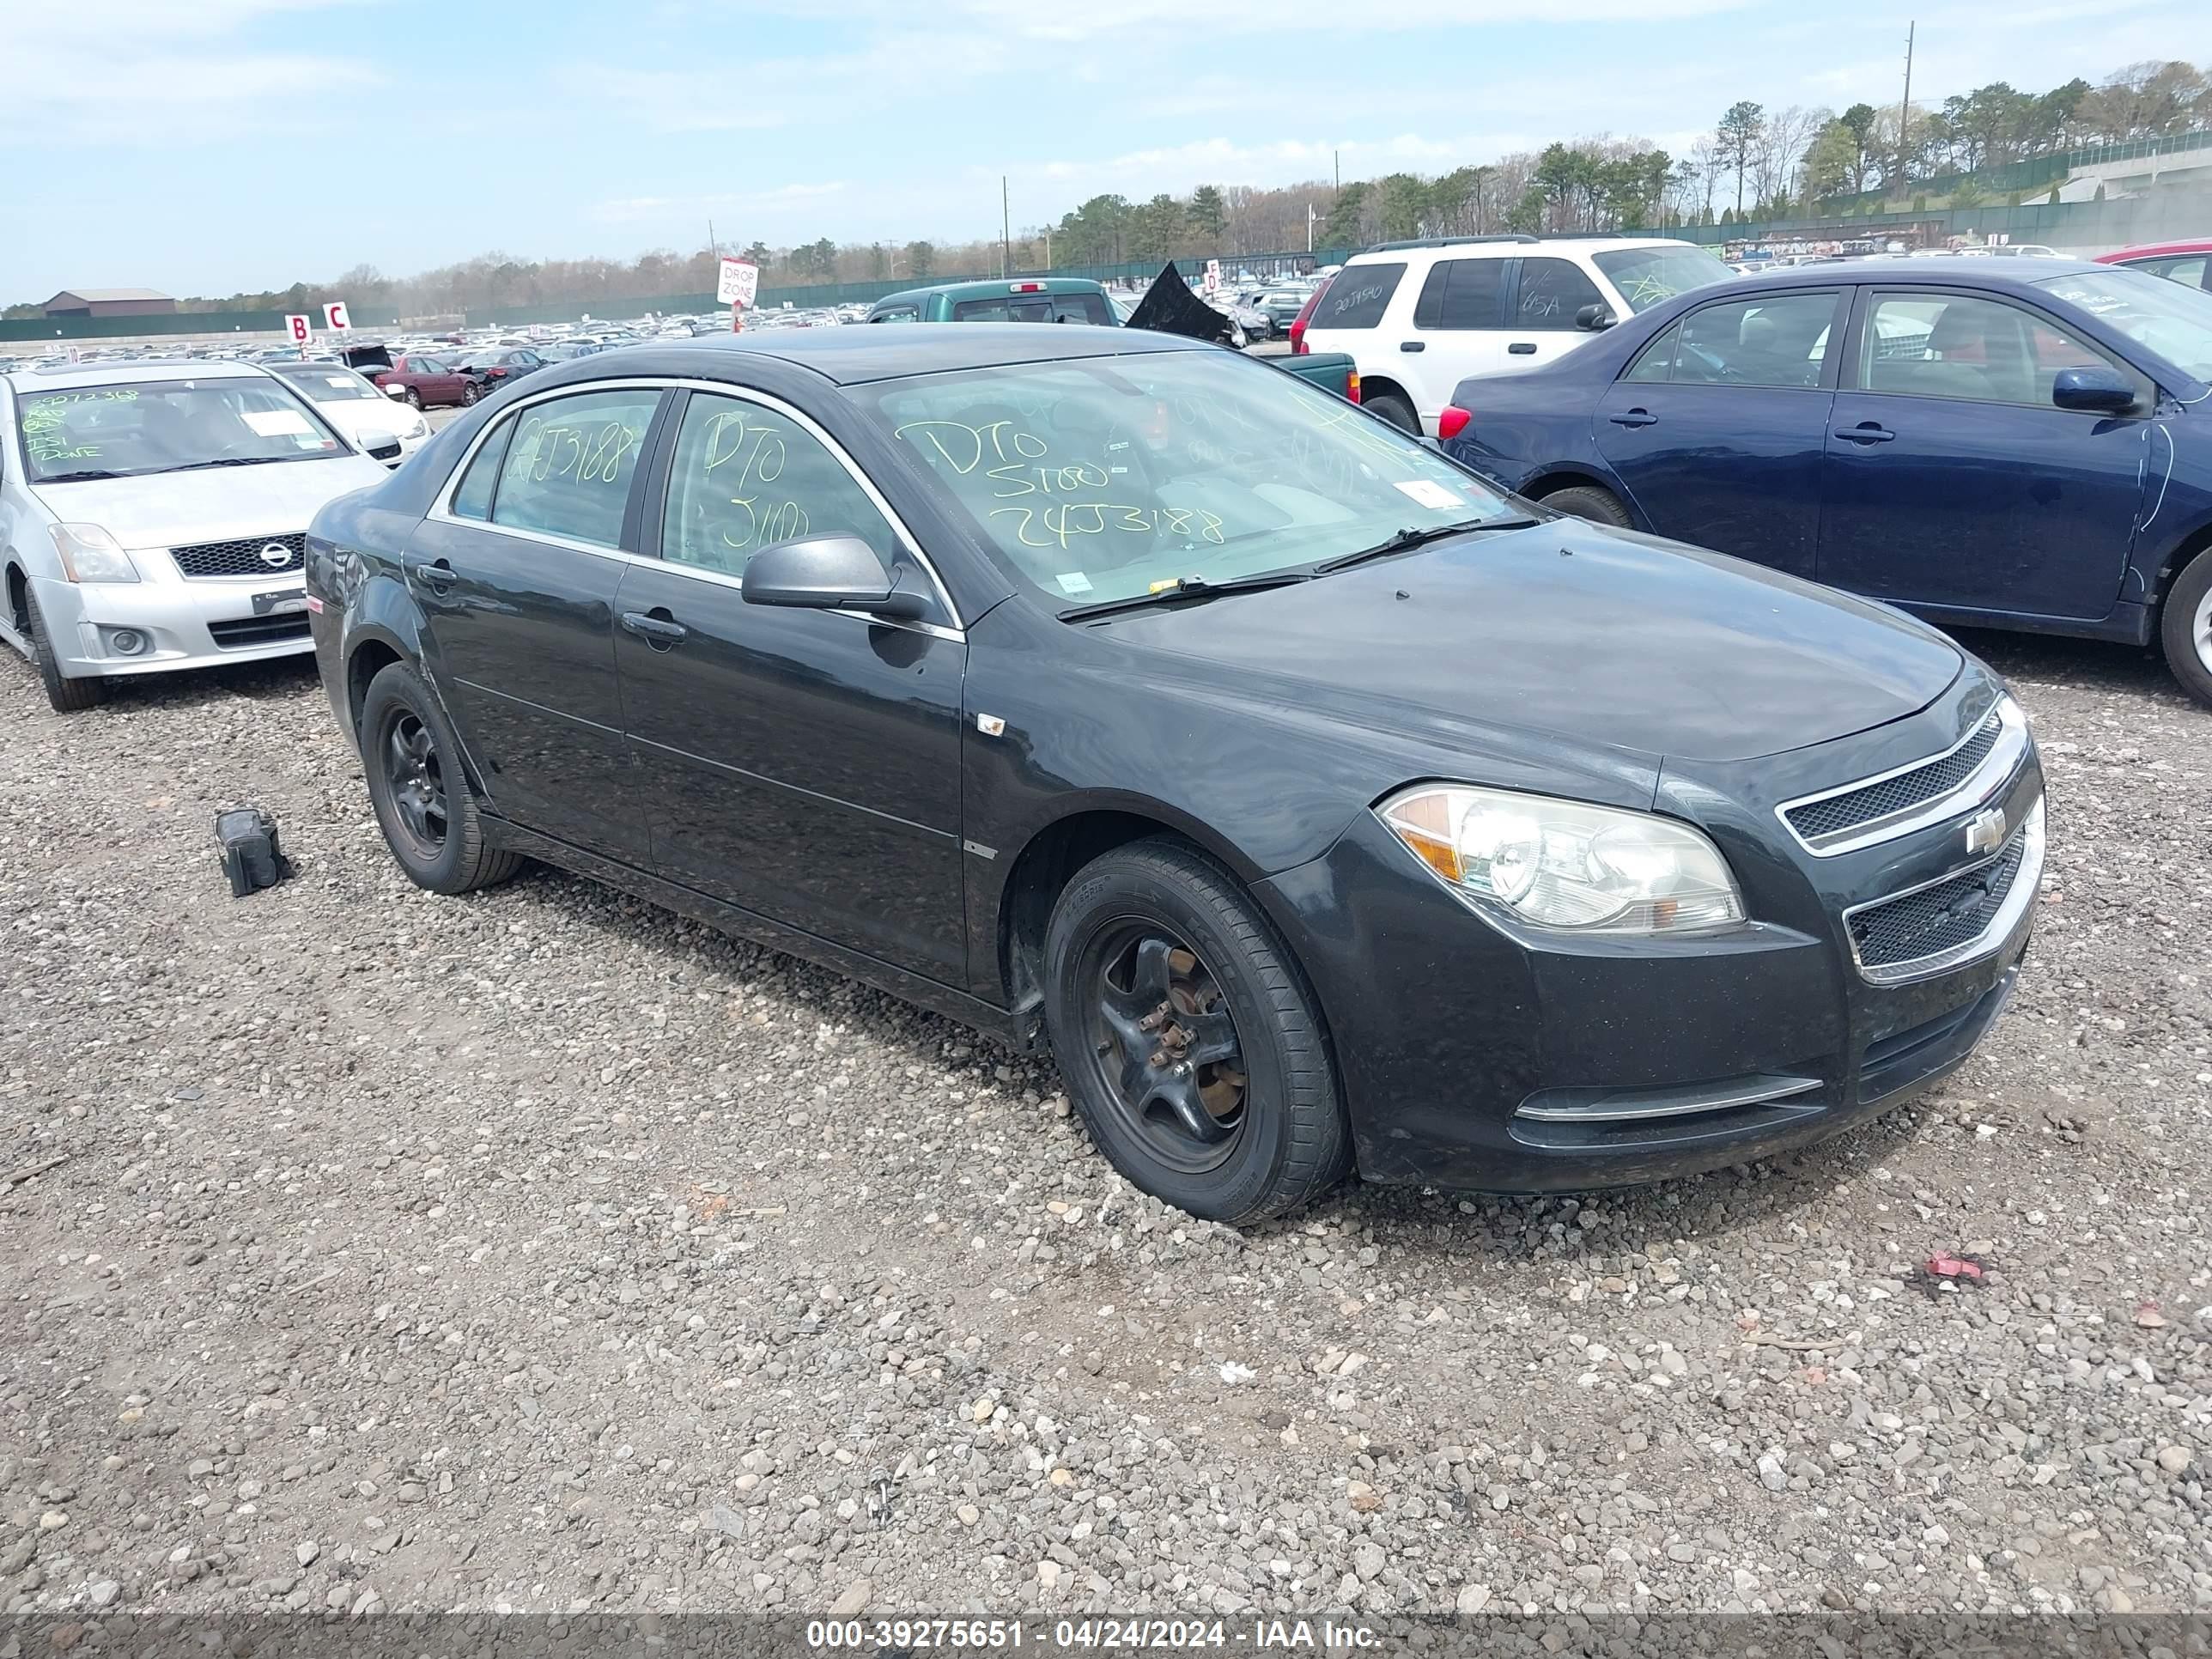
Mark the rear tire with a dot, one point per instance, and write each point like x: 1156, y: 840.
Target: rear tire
x: 2186, y: 630
x: 1393, y: 409
x: 67, y: 695
x: 414, y: 398
x: 1158, y: 926
x: 1590, y: 501
x: 420, y: 790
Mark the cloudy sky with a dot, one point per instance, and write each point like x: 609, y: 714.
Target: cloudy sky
x: 204, y: 146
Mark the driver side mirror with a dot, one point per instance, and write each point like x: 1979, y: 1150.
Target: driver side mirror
x: 380, y: 446
x: 2097, y: 391
x: 395, y: 390
x: 1593, y: 316
x: 826, y: 572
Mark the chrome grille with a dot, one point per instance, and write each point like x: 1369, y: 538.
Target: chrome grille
x: 242, y: 557
x: 1937, y: 919
x: 1839, y: 813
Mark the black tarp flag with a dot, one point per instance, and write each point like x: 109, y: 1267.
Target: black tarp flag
x: 1170, y: 307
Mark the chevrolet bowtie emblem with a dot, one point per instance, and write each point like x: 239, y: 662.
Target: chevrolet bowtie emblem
x: 1985, y: 830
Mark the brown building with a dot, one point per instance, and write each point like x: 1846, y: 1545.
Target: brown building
x: 110, y: 302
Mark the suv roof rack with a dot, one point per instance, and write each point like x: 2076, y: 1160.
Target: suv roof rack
x: 1448, y: 241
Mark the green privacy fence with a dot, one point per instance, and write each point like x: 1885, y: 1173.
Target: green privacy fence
x: 2038, y: 173
x: 2061, y: 224
x: 34, y: 329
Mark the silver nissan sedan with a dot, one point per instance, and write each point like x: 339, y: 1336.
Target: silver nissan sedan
x: 153, y: 515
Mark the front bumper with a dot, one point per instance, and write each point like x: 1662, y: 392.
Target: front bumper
x: 1481, y: 1057
x: 185, y: 623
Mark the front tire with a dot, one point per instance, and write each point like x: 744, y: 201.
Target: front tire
x: 65, y: 695
x: 1190, y: 1041
x: 2186, y: 630
x: 1590, y: 501
x: 421, y: 793
x: 470, y: 394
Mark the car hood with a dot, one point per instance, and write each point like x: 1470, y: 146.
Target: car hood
x: 355, y: 416
x: 1604, y: 637
x: 170, y: 509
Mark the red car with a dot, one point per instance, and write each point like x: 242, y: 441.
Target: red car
x: 430, y: 381
x: 2189, y: 263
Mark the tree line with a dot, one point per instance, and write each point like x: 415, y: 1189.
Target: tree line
x: 1755, y: 164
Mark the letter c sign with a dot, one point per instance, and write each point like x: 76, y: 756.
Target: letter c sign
x: 335, y: 318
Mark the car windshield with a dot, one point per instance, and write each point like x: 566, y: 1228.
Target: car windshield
x: 1645, y: 276
x: 1107, y: 479
x: 328, y: 383
x: 162, y: 426
x: 2160, y: 316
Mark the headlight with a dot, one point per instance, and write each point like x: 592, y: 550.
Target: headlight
x: 421, y: 429
x: 1561, y: 863
x: 89, y: 553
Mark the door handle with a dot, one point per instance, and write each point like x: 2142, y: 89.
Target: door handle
x: 438, y: 574
x: 656, y: 628
x: 1634, y: 417
x: 1867, y: 432
x: 1522, y: 348
x: 1412, y: 345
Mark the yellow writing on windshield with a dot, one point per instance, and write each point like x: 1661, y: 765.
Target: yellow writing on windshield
x: 748, y: 454
x: 964, y: 447
x: 1070, y: 521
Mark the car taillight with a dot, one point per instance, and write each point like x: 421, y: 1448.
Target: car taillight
x: 1298, y: 346
x: 1351, y: 384
x: 1453, y: 421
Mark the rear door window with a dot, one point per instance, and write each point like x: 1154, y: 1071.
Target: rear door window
x: 1359, y: 297
x: 1462, y: 294
x: 1552, y: 291
x: 569, y: 466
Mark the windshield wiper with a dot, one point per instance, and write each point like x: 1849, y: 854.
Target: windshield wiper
x: 85, y: 477
x: 227, y: 460
x: 1189, y: 587
x: 1413, y: 536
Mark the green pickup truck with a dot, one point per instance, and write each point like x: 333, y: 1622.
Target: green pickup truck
x: 1069, y: 300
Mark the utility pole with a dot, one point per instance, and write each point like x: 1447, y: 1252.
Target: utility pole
x: 713, y: 246
x: 1005, y: 231
x: 1336, y: 162
x: 1904, y: 111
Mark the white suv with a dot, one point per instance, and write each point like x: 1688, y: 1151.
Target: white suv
x: 1419, y: 317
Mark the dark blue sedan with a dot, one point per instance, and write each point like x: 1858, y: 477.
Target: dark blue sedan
x: 2023, y: 446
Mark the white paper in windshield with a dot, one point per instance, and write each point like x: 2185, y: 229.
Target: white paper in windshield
x: 1074, y: 581
x: 1428, y: 493
x: 275, y: 423
x: 339, y: 381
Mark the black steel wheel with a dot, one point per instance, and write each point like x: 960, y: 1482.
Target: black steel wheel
x: 1164, y: 1045
x: 414, y: 775
x: 421, y: 795
x: 1190, y: 1039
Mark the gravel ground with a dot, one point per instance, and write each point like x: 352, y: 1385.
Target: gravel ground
x: 543, y: 1250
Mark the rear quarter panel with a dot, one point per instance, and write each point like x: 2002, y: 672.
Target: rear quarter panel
x: 1526, y: 428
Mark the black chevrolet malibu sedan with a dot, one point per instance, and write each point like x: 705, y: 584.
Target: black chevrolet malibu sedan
x: 1318, y: 804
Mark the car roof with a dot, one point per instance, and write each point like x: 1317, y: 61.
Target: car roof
x: 855, y: 355
x: 2152, y: 249
x: 978, y: 289
x: 64, y: 375
x: 2020, y: 275
x: 1508, y: 245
